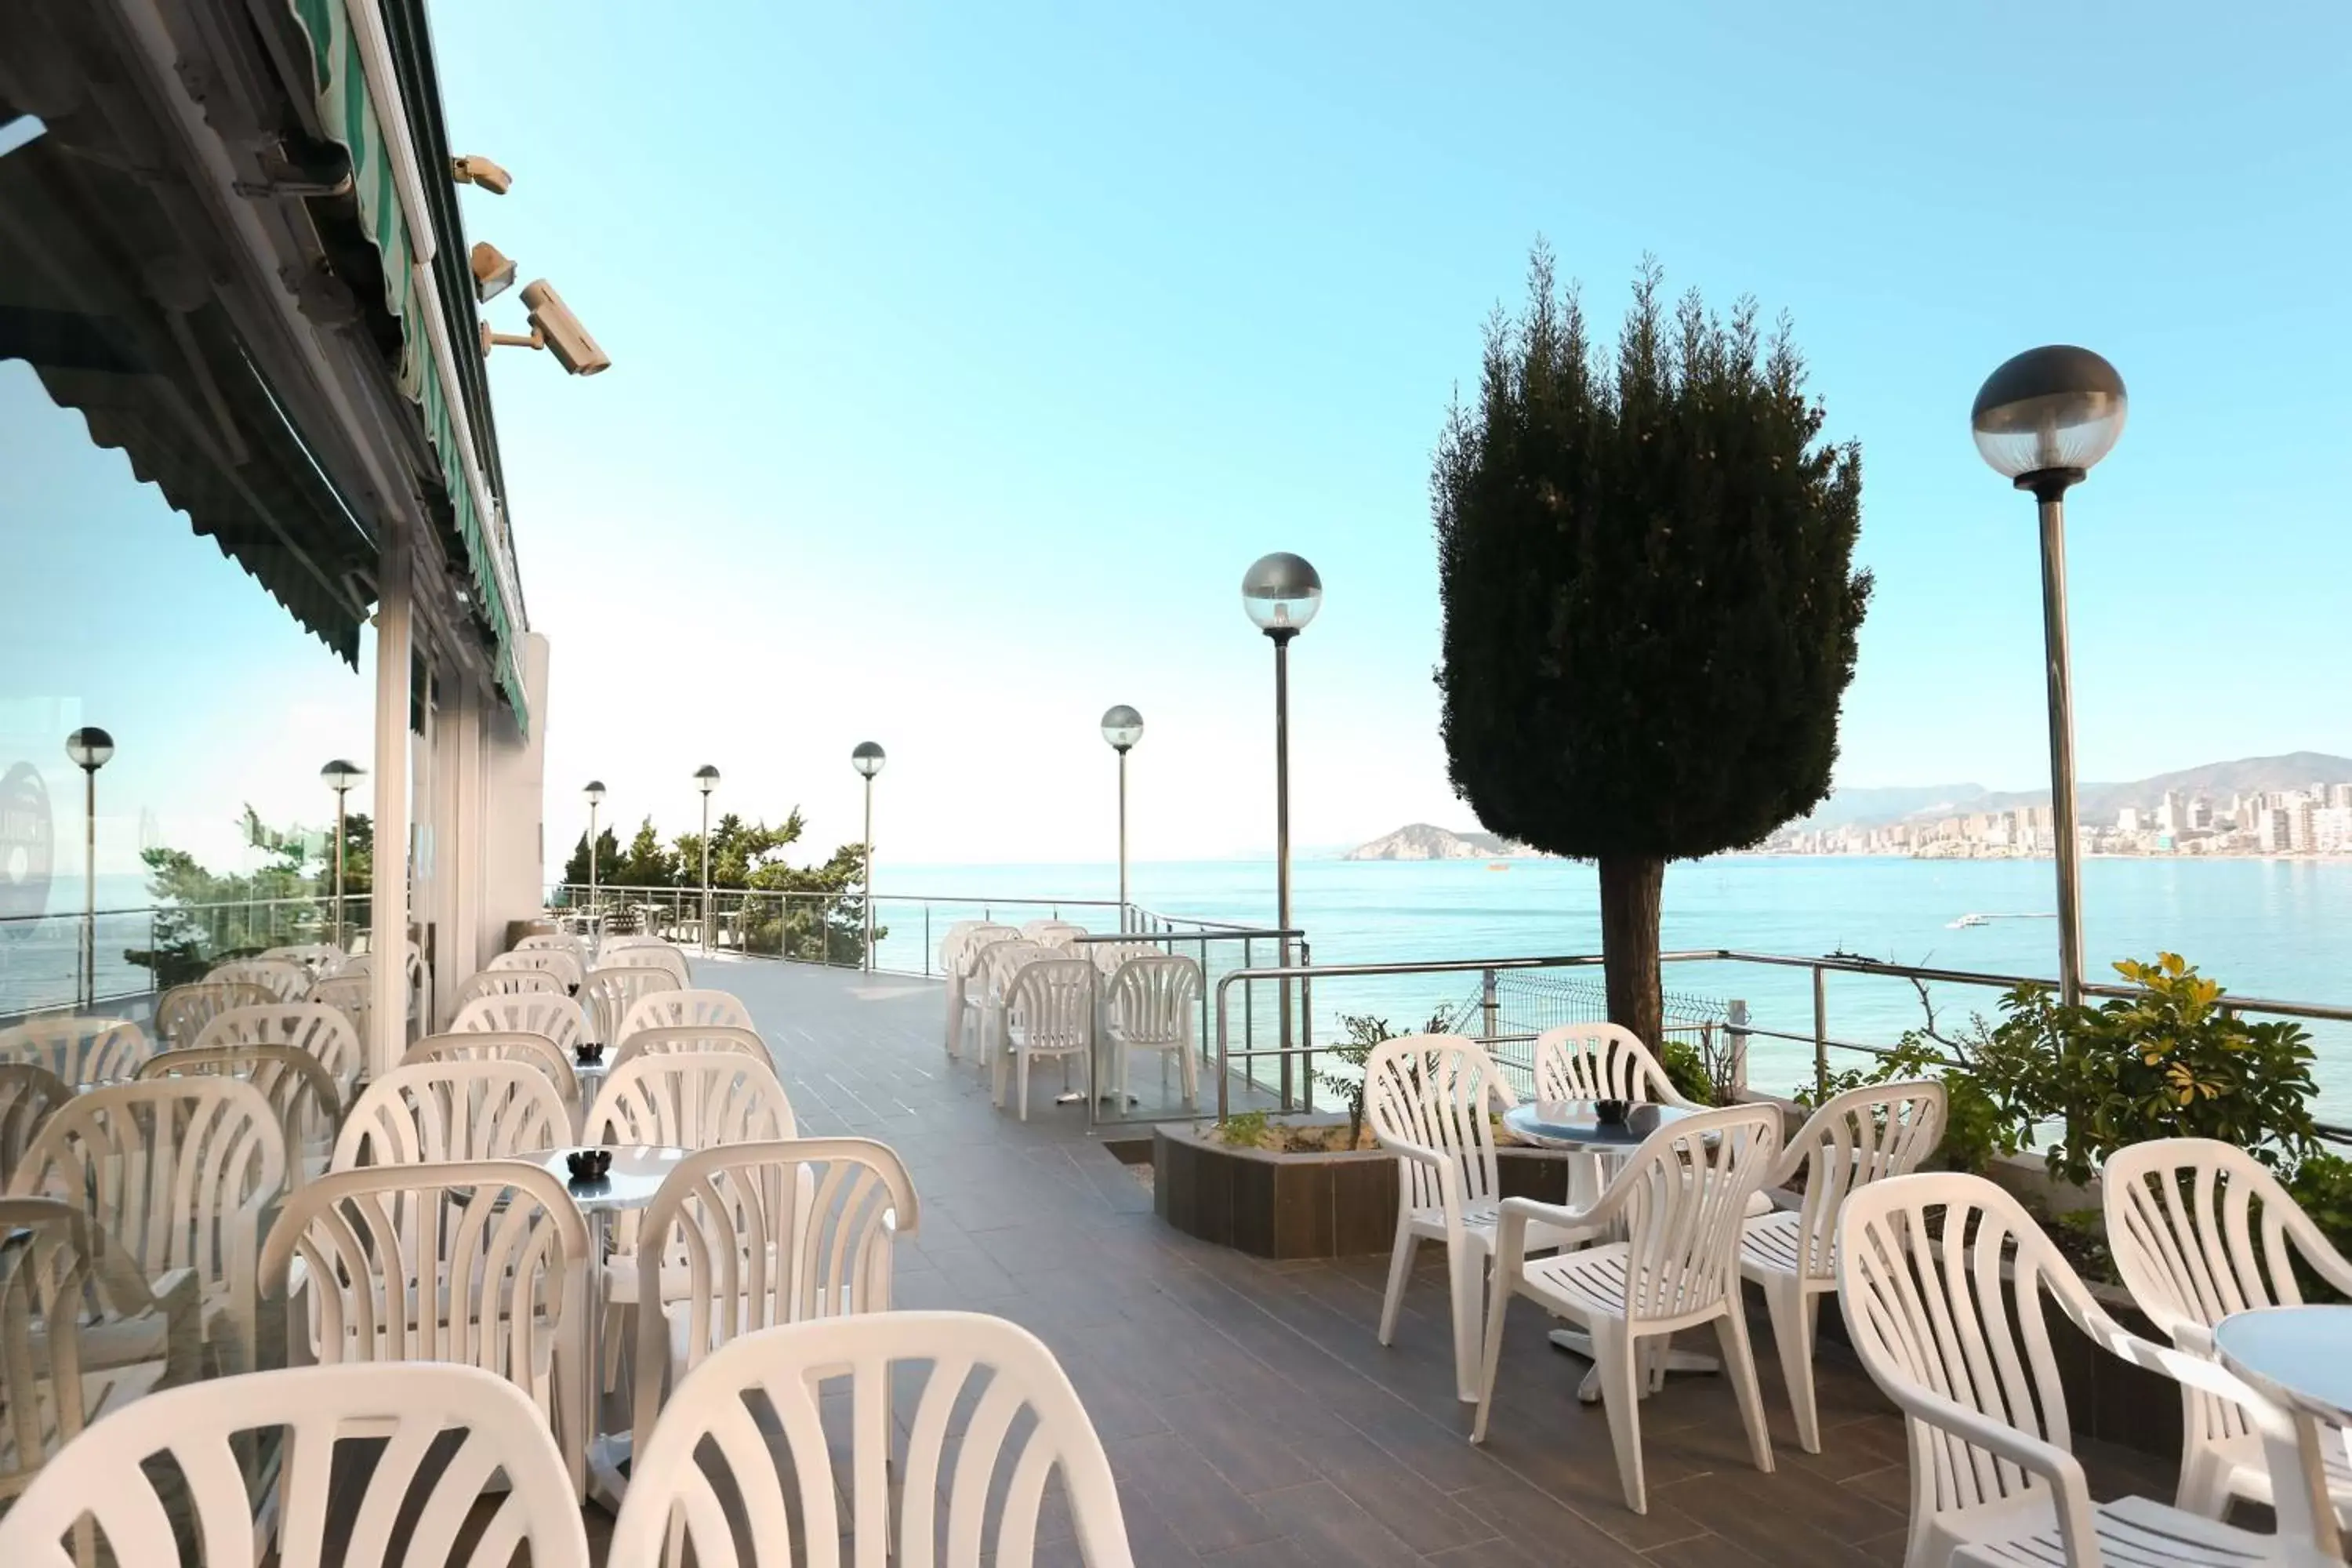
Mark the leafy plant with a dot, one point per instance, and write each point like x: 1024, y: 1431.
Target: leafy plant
x: 2321, y: 1184
x: 1689, y: 1071
x: 1365, y: 1034
x: 1978, y: 1070
x: 1647, y: 563
x: 2167, y: 1061
x: 1243, y: 1130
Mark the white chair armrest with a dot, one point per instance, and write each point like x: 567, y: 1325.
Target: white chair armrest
x: 2190, y: 1364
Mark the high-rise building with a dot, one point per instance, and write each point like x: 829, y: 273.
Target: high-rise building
x: 2277, y: 830
x: 2299, y: 819
x: 2200, y: 815
x: 2339, y: 795
x: 2128, y: 820
x: 2171, y: 815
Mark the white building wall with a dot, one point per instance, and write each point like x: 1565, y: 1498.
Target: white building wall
x: 513, y: 847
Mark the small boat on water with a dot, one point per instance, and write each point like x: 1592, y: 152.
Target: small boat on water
x: 1966, y: 921
x: 1498, y: 864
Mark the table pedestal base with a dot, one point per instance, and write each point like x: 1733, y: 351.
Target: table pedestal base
x: 1576, y: 1341
x: 608, y: 1480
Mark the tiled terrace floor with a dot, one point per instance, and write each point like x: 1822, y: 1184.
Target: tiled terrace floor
x: 1250, y: 1417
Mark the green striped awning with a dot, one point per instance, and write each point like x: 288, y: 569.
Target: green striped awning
x: 352, y: 117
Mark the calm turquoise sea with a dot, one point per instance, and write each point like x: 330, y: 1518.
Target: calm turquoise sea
x: 2263, y: 928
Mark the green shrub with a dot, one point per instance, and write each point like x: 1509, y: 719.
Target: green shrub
x: 2165, y: 1062
x: 1978, y: 1123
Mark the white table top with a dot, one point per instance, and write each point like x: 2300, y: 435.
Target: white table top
x: 1577, y: 1124
x: 636, y: 1174
x: 2301, y: 1356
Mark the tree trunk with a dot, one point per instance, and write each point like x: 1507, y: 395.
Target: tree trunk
x: 1630, y: 889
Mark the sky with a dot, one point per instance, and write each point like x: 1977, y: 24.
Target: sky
x: 965, y: 356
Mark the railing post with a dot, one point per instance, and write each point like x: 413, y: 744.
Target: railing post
x: 1820, y: 1035
x: 1487, y: 1007
x: 927, y: 939
x: 1224, y: 1076
x: 1735, y: 1027
x: 1307, y: 1026
x: 1249, y: 1018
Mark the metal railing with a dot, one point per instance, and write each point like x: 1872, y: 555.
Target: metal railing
x: 42, y: 967
x: 1740, y: 1033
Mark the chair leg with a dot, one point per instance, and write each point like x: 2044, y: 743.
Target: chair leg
x: 1794, y: 1311
x: 1740, y: 1361
x: 1020, y: 1078
x: 1399, y: 1271
x: 1621, y: 1394
x: 1500, y: 1290
x: 1466, y: 1268
x: 2204, y: 1478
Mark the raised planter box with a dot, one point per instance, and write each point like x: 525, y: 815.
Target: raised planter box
x: 1300, y: 1206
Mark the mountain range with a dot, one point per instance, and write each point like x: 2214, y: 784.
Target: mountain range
x: 1422, y: 841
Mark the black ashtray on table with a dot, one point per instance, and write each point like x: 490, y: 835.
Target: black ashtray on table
x: 1609, y: 1113
x: 588, y: 1165
x: 588, y: 1056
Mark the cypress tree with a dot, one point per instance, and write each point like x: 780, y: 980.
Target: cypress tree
x: 1650, y: 600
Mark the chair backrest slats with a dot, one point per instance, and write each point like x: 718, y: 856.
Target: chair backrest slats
x: 1153, y: 997
x: 559, y: 1018
x: 319, y: 1029
x: 1437, y: 1092
x: 435, y: 1111
x: 78, y: 1049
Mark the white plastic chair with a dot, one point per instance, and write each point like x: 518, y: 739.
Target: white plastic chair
x: 674, y: 1009
x: 557, y: 941
x: 960, y: 961
x: 690, y: 1100
x: 628, y: 940
x: 29, y: 1095
x: 560, y: 1019
x: 1863, y: 1135
x: 1599, y: 1061
x: 494, y: 1045
x: 80, y: 1332
x: 178, y: 1172
x: 1429, y: 1100
x: 1149, y: 1008
x: 664, y: 957
x: 352, y: 995
x: 2200, y: 1229
x: 183, y: 1012
x: 1681, y: 1197
x: 563, y: 963
x: 1935, y: 1275
x: 284, y: 979
x: 78, y: 1049
x: 752, y: 1234
x: 609, y: 991
x: 308, y: 1101
x: 319, y: 1029
x: 1026, y: 1424
x: 436, y: 1111
x: 110, y: 1474
x: 313, y: 956
x: 693, y: 1037
x: 1049, y: 1011
x: 995, y: 963
x: 479, y: 1262
x: 1051, y: 933
x: 508, y: 983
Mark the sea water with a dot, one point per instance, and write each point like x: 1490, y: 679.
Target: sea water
x: 2263, y: 928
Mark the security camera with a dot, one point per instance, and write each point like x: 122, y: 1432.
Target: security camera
x: 494, y: 273
x: 552, y: 322
x: 474, y: 170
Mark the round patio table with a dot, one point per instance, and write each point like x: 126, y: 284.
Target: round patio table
x: 2301, y: 1359
x: 1576, y: 1125
x: 636, y: 1175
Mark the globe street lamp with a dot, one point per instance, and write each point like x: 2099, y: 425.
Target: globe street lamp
x: 2042, y: 420
x: 88, y: 749
x: 594, y: 795
x: 867, y: 759
x: 1281, y: 594
x: 339, y: 776
x: 706, y: 778
x: 1123, y: 726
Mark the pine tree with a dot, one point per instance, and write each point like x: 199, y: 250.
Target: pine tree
x: 1651, y: 607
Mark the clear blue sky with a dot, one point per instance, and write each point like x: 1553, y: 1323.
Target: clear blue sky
x: 965, y: 355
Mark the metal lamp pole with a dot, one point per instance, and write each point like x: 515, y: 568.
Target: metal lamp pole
x: 1281, y: 594
x: 594, y: 795
x: 339, y: 776
x: 88, y: 749
x: 867, y: 759
x: 706, y: 777
x: 1123, y: 726
x: 2042, y: 420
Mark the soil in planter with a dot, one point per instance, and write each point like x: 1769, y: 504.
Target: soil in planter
x: 1254, y: 1130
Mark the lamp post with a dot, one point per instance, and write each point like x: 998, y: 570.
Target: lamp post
x: 1123, y: 726
x: 339, y: 776
x: 2043, y: 420
x: 594, y: 795
x: 706, y: 778
x: 867, y: 759
x: 1281, y: 594
x: 88, y: 749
